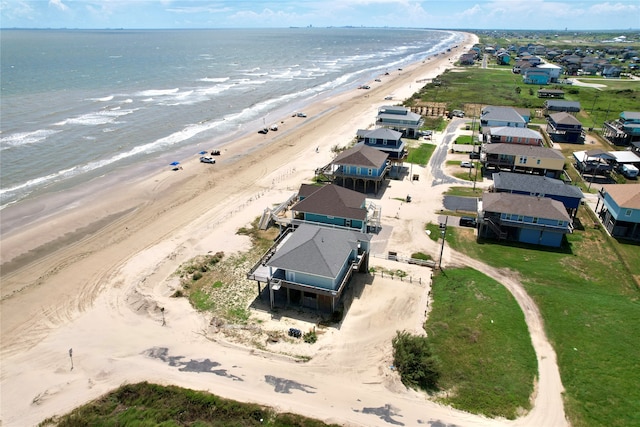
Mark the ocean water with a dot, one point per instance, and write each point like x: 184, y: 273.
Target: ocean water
x: 77, y: 105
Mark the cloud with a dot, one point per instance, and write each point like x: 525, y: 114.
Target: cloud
x: 58, y: 5
x: 608, y: 8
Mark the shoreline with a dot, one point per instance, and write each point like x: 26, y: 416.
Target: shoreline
x: 77, y: 291
x: 22, y: 228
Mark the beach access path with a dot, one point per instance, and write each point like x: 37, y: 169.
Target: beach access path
x: 81, y: 306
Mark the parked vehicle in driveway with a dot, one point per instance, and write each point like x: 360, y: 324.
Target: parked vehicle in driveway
x: 466, y: 165
x: 468, y: 221
x: 474, y: 155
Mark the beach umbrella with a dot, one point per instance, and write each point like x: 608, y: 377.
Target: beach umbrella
x: 202, y: 152
x: 174, y: 163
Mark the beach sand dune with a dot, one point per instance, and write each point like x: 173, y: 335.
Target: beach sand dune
x: 86, y: 294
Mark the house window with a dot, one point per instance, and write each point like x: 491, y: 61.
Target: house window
x: 535, y: 220
x: 509, y: 139
x: 627, y: 212
x: 520, y: 218
x: 538, y: 162
x: 370, y: 171
x: 523, y: 160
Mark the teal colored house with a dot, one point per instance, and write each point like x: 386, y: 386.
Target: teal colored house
x: 526, y: 219
x: 625, y: 130
x: 360, y: 167
x: 331, y: 205
x: 619, y: 210
x: 534, y: 76
x: 312, y: 266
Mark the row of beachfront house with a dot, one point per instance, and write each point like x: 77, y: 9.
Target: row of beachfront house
x: 326, y: 229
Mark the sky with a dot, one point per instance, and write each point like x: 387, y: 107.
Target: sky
x: 556, y: 15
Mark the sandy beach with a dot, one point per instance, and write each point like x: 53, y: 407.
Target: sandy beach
x: 82, y: 290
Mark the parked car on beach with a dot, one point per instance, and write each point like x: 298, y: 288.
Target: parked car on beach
x: 205, y: 159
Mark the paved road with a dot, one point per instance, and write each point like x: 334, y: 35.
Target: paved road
x: 440, y: 155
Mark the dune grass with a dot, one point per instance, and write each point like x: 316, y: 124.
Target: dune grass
x: 145, y: 404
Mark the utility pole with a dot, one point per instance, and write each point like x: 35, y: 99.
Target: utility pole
x: 443, y: 228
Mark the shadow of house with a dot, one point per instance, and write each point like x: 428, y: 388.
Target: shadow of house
x: 619, y: 209
x: 525, y: 219
x: 540, y: 186
x: 563, y: 127
x: 360, y: 167
x: 312, y: 266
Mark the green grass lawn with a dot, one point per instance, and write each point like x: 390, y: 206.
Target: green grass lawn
x: 590, y: 304
x: 497, y: 87
x: 421, y: 155
x: 478, y: 332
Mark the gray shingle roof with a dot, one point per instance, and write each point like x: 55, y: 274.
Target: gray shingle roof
x: 504, y: 114
x: 316, y: 250
x: 394, y: 112
x: 333, y: 200
x: 509, y: 181
x: 570, y: 105
x: 564, y: 118
x: 522, y: 150
x: 384, y: 133
x: 517, y: 204
x: 515, y: 132
x: 363, y: 156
